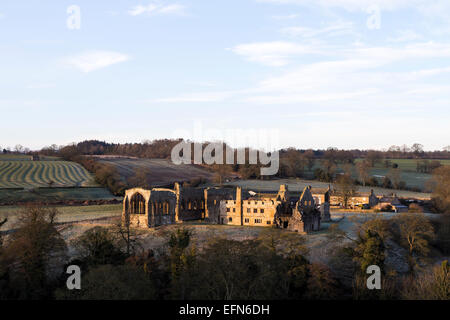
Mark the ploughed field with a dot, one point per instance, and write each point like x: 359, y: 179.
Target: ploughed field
x: 161, y: 172
x: 52, y: 173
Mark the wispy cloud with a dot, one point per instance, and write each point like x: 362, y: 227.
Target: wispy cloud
x: 275, y: 54
x: 353, y: 5
x: 94, y: 60
x: 336, y: 29
x: 157, y: 8
x: 285, y: 17
x: 43, y: 85
x: 361, y: 77
x: 405, y: 36
x: 195, y: 97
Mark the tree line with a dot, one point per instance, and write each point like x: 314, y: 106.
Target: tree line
x: 161, y: 149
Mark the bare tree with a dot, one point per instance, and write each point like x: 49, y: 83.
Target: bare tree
x: 363, y: 169
x: 441, y: 190
x: 18, y: 148
x: 374, y: 157
x: 127, y: 235
x: 395, y: 177
x: 415, y: 231
x: 345, y: 188
x: 417, y: 148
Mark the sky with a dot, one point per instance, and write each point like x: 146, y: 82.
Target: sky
x: 308, y: 74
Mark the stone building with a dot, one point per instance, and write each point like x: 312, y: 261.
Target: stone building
x: 361, y: 199
x: 300, y: 214
x: 160, y: 206
x: 393, y: 203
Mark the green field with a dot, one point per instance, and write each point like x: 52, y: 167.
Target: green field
x: 32, y: 174
x: 54, y: 194
x: 408, y: 165
x: 409, y: 175
x: 67, y: 213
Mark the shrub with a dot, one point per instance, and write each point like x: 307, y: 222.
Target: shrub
x: 98, y: 246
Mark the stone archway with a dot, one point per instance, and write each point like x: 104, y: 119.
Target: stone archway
x: 137, y: 204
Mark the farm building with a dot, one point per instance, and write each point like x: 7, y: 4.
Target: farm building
x: 159, y: 206
x: 392, y: 202
x: 368, y: 200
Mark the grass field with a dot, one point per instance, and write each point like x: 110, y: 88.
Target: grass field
x: 32, y: 174
x: 55, y: 194
x: 162, y: 172
x: 67, y: 213
x: 409, y: 165
x: 409, y: 175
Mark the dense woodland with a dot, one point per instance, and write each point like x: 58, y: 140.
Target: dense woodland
x: 33, y: 261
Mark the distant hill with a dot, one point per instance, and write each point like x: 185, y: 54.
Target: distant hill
x: 161, y: 172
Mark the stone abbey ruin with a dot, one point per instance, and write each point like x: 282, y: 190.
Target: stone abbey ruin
x: 301, y: 212
x: 160, y: 206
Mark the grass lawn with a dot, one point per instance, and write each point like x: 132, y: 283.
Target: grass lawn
x: 55, y: 194
x: 67, y: 213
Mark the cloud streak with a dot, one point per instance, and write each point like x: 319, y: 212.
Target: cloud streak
x: 274, y: 54
x: 94, y: 60
x: 157, y: 8
x: 354, y: 5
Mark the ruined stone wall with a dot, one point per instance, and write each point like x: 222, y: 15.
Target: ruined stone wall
x: 191, y: 202
x: 159, y: 206
x: 162, y: 205
x: 325, y: 212
x: 213, y: 196
x: 129, y: 213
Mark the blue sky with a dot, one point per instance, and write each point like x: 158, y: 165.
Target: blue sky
x: 342, y: 73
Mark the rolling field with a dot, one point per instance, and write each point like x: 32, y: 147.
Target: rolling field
x: 54, y: 194
x: 409, y: 175
x: 66, y: 213
x: 405, y: 164
x: 32, y: 174
x: 162, y: 172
